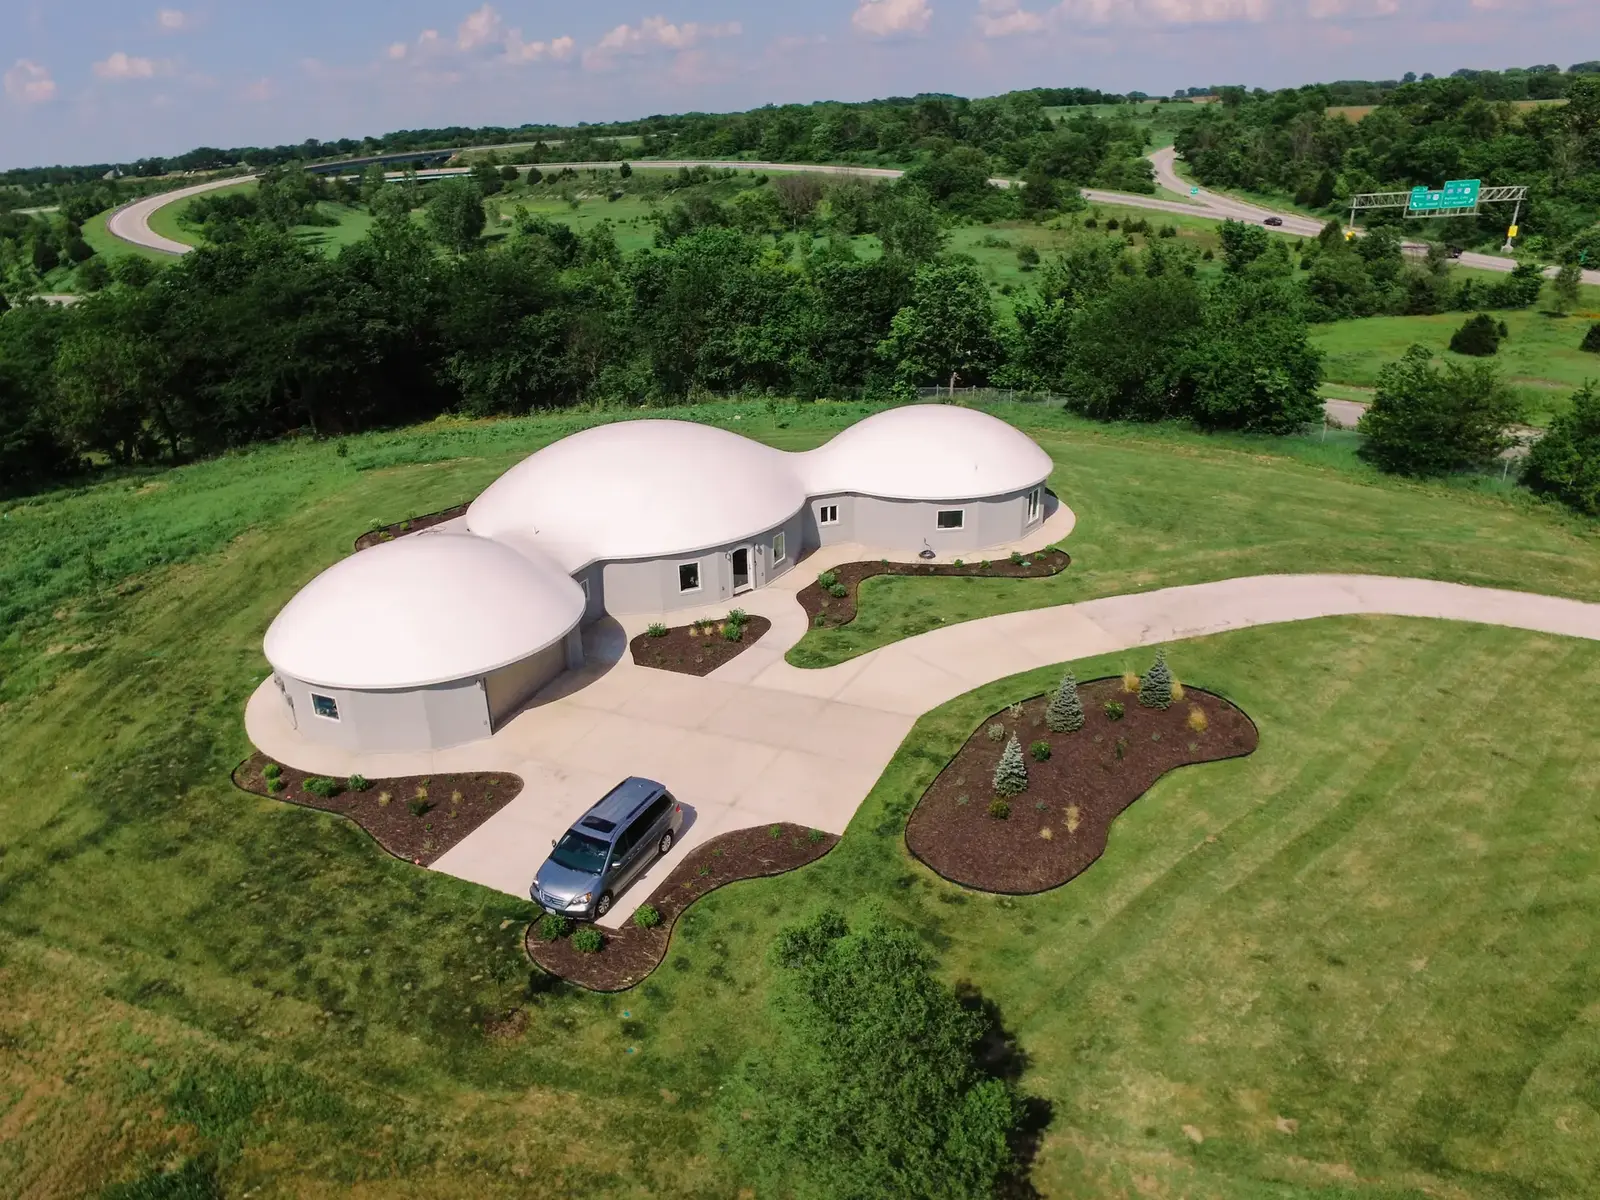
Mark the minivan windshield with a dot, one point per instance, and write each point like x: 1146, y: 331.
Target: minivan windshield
x: 580, y: 852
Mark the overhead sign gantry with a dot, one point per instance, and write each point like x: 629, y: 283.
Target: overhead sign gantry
x: 1458, y: 198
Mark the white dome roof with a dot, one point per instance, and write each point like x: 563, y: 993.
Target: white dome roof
x: 639, y: 489
x: 926, y: 452
x: 423, y: 609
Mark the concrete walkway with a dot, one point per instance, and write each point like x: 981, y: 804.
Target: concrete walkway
x: 759, y: 741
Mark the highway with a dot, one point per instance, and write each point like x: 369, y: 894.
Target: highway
x: 131, y: 223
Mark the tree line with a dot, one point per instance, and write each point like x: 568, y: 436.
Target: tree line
x: 261, y: 335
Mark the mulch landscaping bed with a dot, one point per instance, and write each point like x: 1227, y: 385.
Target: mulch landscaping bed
x: 455, y: 805
x: 696, y: 653
x: 841, y: 610
x: 415, y: 525
x: 1075, y: 794
x: 631, y: 953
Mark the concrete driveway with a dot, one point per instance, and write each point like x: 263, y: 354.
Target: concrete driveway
x: 760, y: 741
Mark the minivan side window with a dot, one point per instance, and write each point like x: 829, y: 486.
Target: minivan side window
x: 654, y: 813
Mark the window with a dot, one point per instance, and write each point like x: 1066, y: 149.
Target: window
x: 325, y: 706
x: 952, y: 518
x: 779, y: 550
x: 689, y: 577
x: 1033, y: 505
x: 828, y: 514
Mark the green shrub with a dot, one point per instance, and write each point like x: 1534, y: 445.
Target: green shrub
x: 1591, y: 340
x: 999, y: 809
x: 322, y: 787
x: 775, y: 832
x: 656, y: 630
x: 588, y: 940
x: 1011, y: 772
x: 1016, y: 558
x: 838, y: 590
x: 814, y: 836
x: 732, y: 632
x: 739, y: 617
x: 274, y: 786
x: 1064, y: 713
x: 1155, y: 689
x: 995, y: 732
x: 553, y: 926
x: 419, y: 805
x: 647, y: 916
x: 1114, y: 709
x: 1479, y: 337
x: 1426, y: 421
x: 1040, y: 750
x: 271, y: 771
x: 818, y: 621
x: 357, y: 783
x: 1565, y: 462
x: 827, y: 579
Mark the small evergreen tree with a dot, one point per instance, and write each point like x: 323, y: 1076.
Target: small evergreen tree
x: 1011, y: 772
x: 1155, y: 689
x: 1064, y: 713
x: 1479, y: 337
x: 1591, y: 340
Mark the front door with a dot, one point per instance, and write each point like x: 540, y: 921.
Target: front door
x: 741, y: 570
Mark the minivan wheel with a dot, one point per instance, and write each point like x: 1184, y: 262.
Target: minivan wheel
x: 664, y: 846
x: 604, y: 905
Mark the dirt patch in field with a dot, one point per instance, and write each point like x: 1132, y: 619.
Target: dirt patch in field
x: 632, y: 952
x: 1058, y: 827
x: 696, y: 649
x: 837, y: 606
x: 388, y: 533
x: 415, y: 817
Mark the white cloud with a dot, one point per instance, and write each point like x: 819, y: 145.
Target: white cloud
x: 258, y: 92
x: 1003, y: 18
x: 29, y: 83
x: 886, y: 18
x: 1190, y: 12
x: 397, y: 50
x: 519, y: 51
x: 1327, y: 10
x: 479, y: 29
x: 174, y: 20
x: 127, y: 66
x: 654, y: 33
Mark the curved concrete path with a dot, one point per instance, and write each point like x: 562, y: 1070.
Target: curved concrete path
x: 131, y: 222
x: 759, y: 741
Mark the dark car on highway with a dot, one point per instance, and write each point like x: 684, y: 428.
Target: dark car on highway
x: 635, y: 823
x: 1273, y: 221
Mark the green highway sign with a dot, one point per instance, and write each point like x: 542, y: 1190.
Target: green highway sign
x: 1458, y: 193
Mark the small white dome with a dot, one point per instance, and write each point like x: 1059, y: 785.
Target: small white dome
x: 926, y: 452
x: 423, y: 609
x: 639, y: 489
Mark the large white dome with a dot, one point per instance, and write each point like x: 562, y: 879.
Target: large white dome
x: 424, y: 609
x: 925, y: 452
x: 639, y: 489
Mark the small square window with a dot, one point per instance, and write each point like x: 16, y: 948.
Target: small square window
x: 952, y: 518
x: 689, y: 577
x: 325, y: 706
x: 1033, y: 505
x: 779, y: 550
x: 828, y: 514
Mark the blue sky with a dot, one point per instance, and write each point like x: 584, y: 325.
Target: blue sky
x: 103, y: 80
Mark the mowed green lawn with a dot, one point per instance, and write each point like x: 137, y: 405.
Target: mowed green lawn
x: 1540, y: 357
x: 1389, y: 942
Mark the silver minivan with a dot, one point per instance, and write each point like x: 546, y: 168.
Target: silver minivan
x: 635, y: 823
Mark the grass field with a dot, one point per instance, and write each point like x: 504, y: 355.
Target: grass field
x: 1378, y: 927
x: 1540, y: 358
